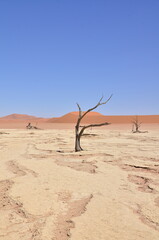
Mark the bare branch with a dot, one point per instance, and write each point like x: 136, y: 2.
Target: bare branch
x: 100, y: 100
x: 80, y: 110
x: 92, y: 125
x: 106, y: 100
x: 97, y: 105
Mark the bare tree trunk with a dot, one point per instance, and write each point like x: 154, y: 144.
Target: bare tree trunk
x: 78, y: 132
x: 137, y: 128
x: 77, y: 140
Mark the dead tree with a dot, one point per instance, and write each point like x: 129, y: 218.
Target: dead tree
x: 29, y: 126
x: 79, y: 132
x: 136, y: 125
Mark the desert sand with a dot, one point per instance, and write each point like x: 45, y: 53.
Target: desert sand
x: 108, y: 191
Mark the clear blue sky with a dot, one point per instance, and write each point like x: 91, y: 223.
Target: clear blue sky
x: 54, y: 53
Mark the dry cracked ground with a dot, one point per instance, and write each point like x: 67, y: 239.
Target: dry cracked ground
x: 110, y: 191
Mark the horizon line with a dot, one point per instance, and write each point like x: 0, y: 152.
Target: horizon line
x: 34, y: 116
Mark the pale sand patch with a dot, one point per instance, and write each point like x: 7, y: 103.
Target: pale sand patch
x: 109, y: 191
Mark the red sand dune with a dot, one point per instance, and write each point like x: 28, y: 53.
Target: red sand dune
x: 72, y: 118
x: 21, y: 120
x: 95, y: 117
x: 17, y: 117
x: 20, y: 117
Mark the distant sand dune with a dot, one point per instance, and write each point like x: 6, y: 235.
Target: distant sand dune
x: 94, y: 117
x: 14, y: 121
x: 17, y: 117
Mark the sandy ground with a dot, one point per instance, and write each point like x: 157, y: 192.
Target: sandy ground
x: 110, y: 191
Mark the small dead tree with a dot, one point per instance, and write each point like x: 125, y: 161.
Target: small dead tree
x: 136, y: 125
x: 29, y: 126
x: 79, y: 132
